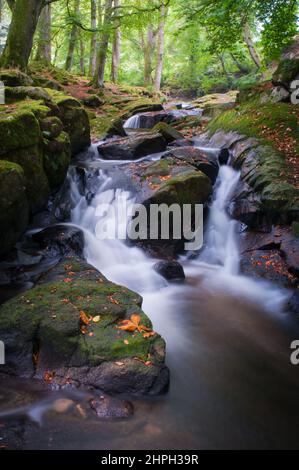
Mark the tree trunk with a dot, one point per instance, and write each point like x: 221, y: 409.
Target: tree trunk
x: 249, y: 42
x: 93, y: 41
x: 242, y: 68
x: 44, y: 41
x: 73, y: 40
x: 25, y: 15
x: 222, y: 61
x: 103, y: 46
x: 1, y: 10
x: 116, y: 49
x: 82, y: 56
x: 160, y: 49
x: 148, y: 49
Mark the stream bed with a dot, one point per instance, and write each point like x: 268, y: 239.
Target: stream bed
x: 228, y: 345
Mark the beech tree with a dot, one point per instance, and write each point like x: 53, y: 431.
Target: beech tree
x: 73, y: 39
x: 103, y: 45
x: 43, y: 52
x: 25, y: 16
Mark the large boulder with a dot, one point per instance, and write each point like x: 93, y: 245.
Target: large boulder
x: 14, y: 78
x: 60, y: 240
x: 77, y: 328
x: 21, y: 143
x: 195, y: 157
x: 14, y: 209
x: 141, y: 106
x: 215, y: 104
x: 288, y: 67
x: 75, y: 121
x: 169, y: 133
x: 168, y: 181
x: 57, y: 157
x: 134, y: 147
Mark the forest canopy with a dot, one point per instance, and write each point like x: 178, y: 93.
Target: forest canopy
x: 197, y: 46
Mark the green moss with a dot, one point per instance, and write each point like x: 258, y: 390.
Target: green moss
x: 14, y: 211
x: 287, y: 71
x: 52, y: 312
x: 57, y: 157
x: 18, y: 130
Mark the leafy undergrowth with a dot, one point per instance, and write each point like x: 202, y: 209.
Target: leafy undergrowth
x: 275, y: 124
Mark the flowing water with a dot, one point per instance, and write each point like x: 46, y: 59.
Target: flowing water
x: 228, y: 340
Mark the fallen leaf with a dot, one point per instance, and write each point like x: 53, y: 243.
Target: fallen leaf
x: 126, y: 341
x: 96, y: 319
x: 120, y: 364
x: 84, y: 318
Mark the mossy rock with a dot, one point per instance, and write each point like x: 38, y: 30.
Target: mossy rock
x: 18, y: 130
x: 14, y: 77
x: 93, y: 101
x: 141, y: 106
x: 57, y: 158
x: 51, y: 127
x: 14, y: 209
x: 287, y: 71
x: 75, y: 121
x: 37, y: 186
x: 13, y: 94
x: 43, y: 332
x: 169, y: 133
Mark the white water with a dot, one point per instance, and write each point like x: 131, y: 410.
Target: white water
x: 217, y: 266
x: 133, y: 122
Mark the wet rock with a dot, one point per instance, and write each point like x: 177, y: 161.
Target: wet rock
x: 64, y: 331
x: 215, y: 104
x: 288, y: 67
x: 223, y: 156
x: 269, y: 265
x: 182, y: 143
x: 168, y: 181
x: 293, y: 304
x: 108, y: 408
x: 141, y: 106
x: 283, y: 242
x: 14, y: 208
x: 116, y: 128
x: 170, y: 270
x: 60, y: 240
x: 168, y: 132
x: 57, y: 158
x: 198, y: 159
x: 133, y: 147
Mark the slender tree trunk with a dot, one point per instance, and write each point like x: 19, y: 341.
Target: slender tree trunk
x: 249, y: 42
x: 148, y: 49
x: 1, y: 10
x: 160, y: 49
x: 103, y: 46
x: 222, y: 61
x: 116, y: 49
x: 82, y: 56
x: 25, y: 15
x: 242, y: 68
x: 73, y: 40
x: 93, y: 41
x: 44, y: 41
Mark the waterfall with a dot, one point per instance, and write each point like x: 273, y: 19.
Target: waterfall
x: 217, y: 265
x: 133, y: 122
x: 221, y: 244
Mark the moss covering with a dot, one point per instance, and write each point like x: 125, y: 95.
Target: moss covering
x: 19, y: 129
x: 14, y: 212
x: 57, y: 157
x: 287, y: 71
x: 169, y: 133
x: 50, y: 315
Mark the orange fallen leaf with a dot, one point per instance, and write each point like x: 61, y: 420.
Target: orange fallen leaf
x: 84, y: 318
x: 133, y: 324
